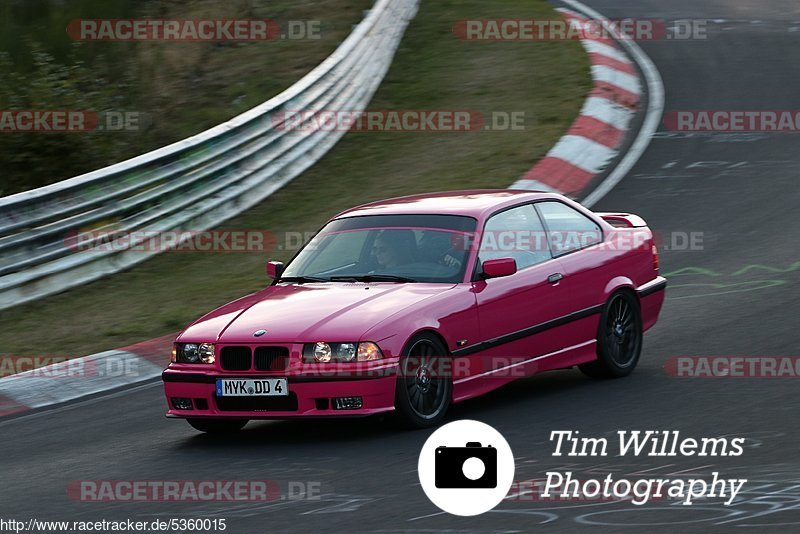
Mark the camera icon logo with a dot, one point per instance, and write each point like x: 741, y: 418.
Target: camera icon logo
x: 466, y: 468
x: 472, y: 466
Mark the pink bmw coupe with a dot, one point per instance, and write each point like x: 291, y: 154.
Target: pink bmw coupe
x: 414, y: 303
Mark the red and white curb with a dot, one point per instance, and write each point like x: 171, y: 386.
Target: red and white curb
x: 80, y: 377
x: 595, y: 137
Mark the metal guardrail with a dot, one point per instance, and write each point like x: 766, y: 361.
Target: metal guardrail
x: 193, y: 184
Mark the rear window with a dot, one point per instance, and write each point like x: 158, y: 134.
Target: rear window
x: 568, y: 229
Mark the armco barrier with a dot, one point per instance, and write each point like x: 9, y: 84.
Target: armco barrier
x: 193, y: 184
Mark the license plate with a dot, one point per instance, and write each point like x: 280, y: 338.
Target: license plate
x: 251, y: 387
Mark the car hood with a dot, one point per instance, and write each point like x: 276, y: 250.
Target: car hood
x: 309, y: 312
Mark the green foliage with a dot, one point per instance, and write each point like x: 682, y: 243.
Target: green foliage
x: 32, y: 159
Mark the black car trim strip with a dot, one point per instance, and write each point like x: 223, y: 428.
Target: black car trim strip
x: 187, y: 377
x: 198, y: 378
x: 654, y: 288
x: 529, y: 331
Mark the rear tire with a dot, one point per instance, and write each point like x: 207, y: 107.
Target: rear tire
x: 619, y: 338
x: 424, y: 385
x: 218, y: 426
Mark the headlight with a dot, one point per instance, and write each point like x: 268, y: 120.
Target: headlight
x: 348, y: 351
x: 322, y: 352
x: 193, y: 353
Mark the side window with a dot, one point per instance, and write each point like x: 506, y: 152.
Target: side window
x: 515, y: 233
x: 568, y: 229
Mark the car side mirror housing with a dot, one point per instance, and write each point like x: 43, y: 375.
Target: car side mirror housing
x: 274, y: 269
x: 499, y: 267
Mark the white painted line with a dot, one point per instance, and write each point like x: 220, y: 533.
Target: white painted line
x: 690, y: 469
x: 643, y: 471
x: 595, y: 47
x: 427, y: 516
x: 655, y: 108
x: 608, y: 112
x: 584, y: 153
x: 623, y: 80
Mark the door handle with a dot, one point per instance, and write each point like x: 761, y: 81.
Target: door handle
x: 555, y: 278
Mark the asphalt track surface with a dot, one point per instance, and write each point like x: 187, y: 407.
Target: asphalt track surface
x: 740, y: 191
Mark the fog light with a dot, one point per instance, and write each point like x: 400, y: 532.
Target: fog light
x: 181, y: 403
x: 347, y: 403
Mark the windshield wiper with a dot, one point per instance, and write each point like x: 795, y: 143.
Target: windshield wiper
x: 373, y: 278
x: 303, y: 279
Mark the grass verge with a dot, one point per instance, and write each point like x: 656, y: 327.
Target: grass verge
x: 547, y: 81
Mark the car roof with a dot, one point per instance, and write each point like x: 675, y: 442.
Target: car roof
x: 477, y: 203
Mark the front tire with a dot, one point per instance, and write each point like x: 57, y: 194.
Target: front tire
x: 424, y: 385
x: 619, y: 338
x: 217, y: 426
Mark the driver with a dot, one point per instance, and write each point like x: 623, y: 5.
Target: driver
x: 394, y: 247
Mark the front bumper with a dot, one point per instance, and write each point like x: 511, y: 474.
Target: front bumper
x: 309, y: 395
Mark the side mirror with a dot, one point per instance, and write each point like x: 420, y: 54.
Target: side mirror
x: 499, y: 267
x: 274, y: 269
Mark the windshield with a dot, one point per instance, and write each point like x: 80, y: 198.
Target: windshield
x: 398, y: 248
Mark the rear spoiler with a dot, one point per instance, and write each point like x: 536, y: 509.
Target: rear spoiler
x: 623, y: 220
